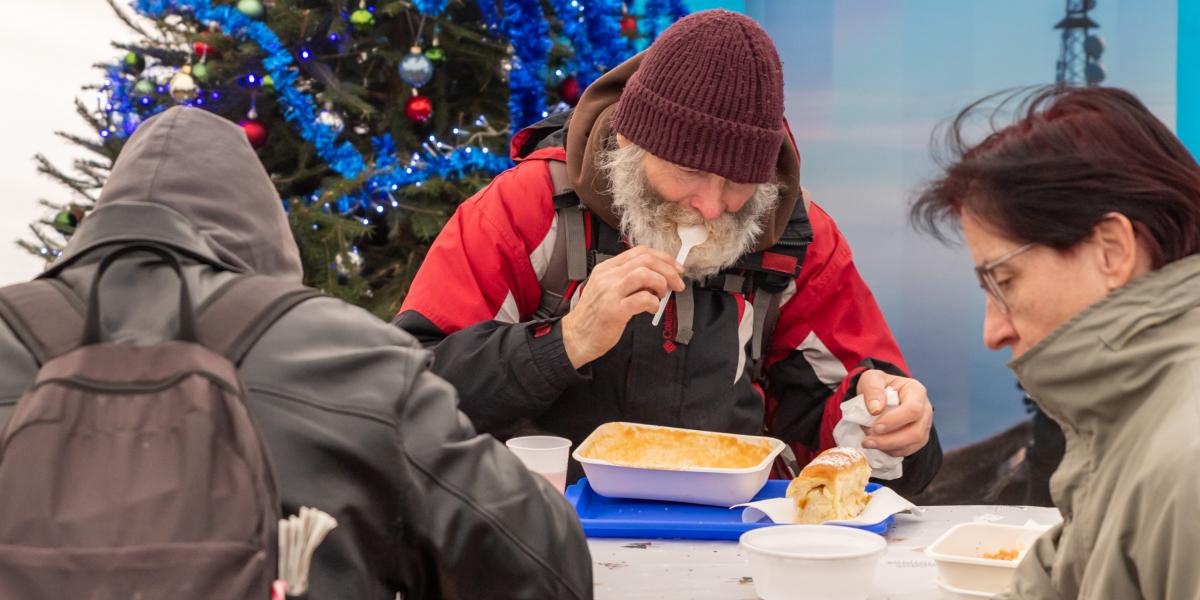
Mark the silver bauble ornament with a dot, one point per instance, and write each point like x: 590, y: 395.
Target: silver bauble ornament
x: 183, y: 87
x: 416, y: 69
x: 332, y: 120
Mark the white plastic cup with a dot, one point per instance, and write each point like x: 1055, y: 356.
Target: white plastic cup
x: 545, y: 455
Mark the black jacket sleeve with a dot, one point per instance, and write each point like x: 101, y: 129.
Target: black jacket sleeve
x: 359, y: 427
x: 474, y: 502
x: 503, y: 372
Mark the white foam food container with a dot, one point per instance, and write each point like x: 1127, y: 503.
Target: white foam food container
x: 711, y: 486
x: 959, y: 556
x: 949, y: 592
x: 812, y: 562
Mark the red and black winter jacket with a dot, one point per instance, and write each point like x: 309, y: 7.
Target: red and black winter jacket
x: 473, y: 303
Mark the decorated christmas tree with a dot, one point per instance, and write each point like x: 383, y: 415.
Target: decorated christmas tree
x: 373, y: 118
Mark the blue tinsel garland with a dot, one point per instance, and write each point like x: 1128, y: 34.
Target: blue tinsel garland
x: 570, y: 13
x: 653, y: 16
x: 491, y: 18
x: 609, y: 47
x: 661, y: 14
x: 525, y: 25
x: 122, y: 108
x: 679, y: 10
x: 591, y: 26
x: 431, y: 8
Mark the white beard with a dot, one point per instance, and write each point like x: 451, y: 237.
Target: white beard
x: 648, y: 220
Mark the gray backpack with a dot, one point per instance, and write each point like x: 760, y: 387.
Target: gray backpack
x: 137, y: 472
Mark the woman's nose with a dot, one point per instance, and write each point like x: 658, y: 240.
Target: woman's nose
x: 998, y: 330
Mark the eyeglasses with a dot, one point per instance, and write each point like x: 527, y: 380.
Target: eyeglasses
x: 987, y: 279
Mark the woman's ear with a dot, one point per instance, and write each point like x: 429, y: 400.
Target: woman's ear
x: 1120, y: 255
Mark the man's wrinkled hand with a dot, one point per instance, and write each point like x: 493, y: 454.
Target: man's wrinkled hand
x: 904, y: 429
x: 619, y: 288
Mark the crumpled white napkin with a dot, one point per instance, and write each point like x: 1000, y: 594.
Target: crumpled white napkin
x: 849, y: 432
x: 884, y: 503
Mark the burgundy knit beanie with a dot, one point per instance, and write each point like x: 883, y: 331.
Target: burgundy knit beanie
x: 709, y: 96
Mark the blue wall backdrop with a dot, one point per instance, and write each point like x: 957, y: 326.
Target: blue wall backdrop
x: 867, y: 81
x: 1189, y: 74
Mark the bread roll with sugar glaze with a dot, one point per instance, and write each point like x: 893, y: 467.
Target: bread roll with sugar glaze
x: 831, y: 487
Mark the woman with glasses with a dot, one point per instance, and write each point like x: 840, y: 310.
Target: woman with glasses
x: 1083, y: 219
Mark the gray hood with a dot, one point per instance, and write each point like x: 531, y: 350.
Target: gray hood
x: 201, y: 169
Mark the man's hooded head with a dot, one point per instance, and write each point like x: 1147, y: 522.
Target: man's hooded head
x: 202, y: 167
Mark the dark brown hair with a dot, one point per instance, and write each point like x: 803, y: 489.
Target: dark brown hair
x: 1070, y: 156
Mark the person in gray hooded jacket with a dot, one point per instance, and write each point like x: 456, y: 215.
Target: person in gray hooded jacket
x: 1083, y: 219
x: 354, y: 422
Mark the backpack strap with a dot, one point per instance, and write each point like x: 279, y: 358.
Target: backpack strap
x: 773, y: 269
x: 45, y: 315
x: 685, y: 315
x: 766, y: 316
x: 570, y: 221
x: 569, y: 258
x: 239, y: 312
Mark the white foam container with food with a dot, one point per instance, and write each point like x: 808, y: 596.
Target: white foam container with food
x: 959, y: 554
x: 813, y: 562
x: 949, y: 592
x: 650, y: 462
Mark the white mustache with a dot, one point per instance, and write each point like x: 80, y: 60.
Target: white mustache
x: 649, y: 220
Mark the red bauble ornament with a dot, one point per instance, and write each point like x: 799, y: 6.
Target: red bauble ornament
x: 418, y: 109
x: 629, y: 26
x: 203, y: 50
x: 256, y: 132
x: 569, y: 90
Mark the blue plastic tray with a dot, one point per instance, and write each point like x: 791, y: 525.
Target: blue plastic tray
x: 652, y: 519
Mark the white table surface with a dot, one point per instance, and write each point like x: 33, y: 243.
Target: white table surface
x: 627, y: 568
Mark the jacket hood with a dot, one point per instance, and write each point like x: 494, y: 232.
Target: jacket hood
x: 1105, y: 363
x: 588, y: 132
x: 189, y: 165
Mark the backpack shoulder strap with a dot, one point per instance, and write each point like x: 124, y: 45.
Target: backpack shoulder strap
x: 558, y: 177
x: 773, y: 270
x: 239, y: 312
x: 570, y: 221
x: 568, y: 259
x: 766, y: 315
x: 45, y: 315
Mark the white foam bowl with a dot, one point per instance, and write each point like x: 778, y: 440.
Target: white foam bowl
x: 950, y: 592
x: 716, y: 487
x: 959, y: 555
x: 813, y: 562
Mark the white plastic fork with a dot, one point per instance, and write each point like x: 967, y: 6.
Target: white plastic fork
x: 690, y: 236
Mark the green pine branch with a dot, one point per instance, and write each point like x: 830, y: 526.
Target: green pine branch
x: 81, y: 187
x: 127, y: 19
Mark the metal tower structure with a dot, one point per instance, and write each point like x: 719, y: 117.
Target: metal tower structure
x: 1079, y: 58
